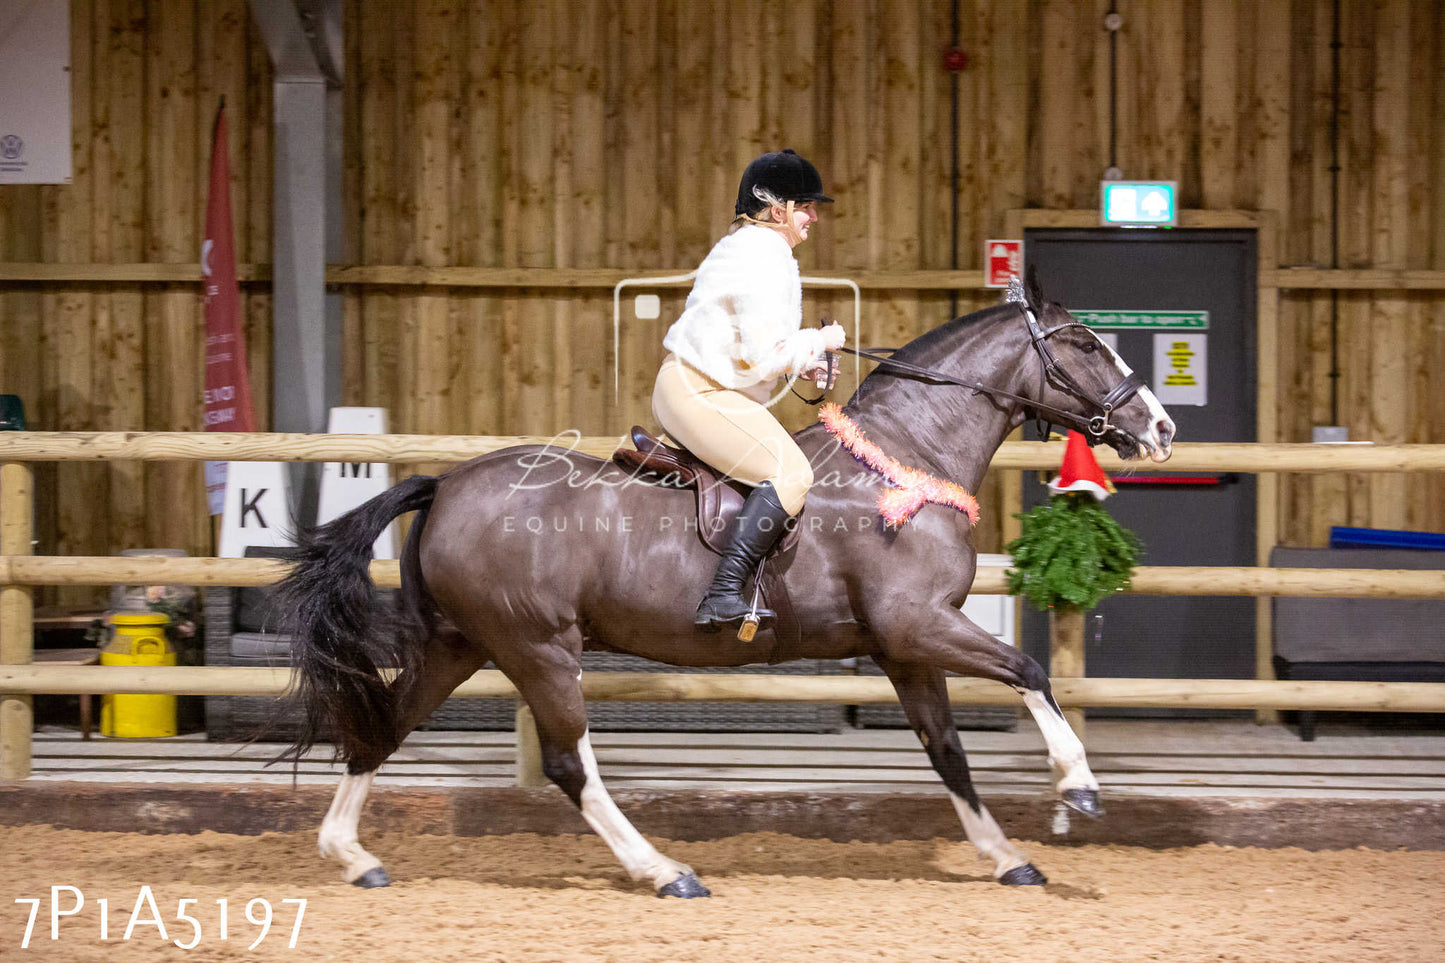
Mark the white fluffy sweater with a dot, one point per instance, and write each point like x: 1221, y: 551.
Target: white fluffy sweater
x: 741, y: 323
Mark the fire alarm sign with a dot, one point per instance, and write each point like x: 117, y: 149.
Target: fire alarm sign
x: 1001, y: 261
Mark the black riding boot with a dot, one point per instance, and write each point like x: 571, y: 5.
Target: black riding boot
x: 758, y: 527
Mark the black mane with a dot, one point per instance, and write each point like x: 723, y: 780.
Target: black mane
x: 928, y: 345
x: 923, y: 344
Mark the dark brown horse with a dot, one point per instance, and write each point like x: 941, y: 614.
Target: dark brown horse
x: 525, y: 557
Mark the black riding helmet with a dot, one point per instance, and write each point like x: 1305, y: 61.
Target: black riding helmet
x: 784, y: 175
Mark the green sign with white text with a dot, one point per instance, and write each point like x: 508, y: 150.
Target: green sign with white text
x: 1145, y: 320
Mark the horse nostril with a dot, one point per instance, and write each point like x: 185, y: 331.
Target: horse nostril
x: 1165, y: 430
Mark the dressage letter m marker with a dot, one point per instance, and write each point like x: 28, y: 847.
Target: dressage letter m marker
x: 249, y: 507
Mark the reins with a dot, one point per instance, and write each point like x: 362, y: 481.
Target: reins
x: 1095, y: 428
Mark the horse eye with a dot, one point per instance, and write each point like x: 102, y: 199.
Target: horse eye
x: 1090, y: 347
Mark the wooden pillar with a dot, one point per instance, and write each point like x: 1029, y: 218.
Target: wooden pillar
x: 529, y: 749
x: 1267, y: 484
x: 17, y: 626
x: 1066, y: 655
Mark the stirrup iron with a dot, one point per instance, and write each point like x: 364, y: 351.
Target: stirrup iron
x: 748, y: 630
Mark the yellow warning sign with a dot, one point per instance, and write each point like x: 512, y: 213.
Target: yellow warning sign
x: 1180, y: 355
x: 1181, y: 366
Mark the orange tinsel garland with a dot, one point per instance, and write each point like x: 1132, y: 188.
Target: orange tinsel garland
x: 911, y: 488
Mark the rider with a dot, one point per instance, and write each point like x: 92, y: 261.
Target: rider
x: 739, y: 332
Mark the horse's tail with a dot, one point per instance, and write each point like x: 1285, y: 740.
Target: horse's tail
x: 342, y: 636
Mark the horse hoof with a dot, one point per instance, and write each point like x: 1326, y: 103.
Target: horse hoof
x: 687, y: 886
x: 373, y: 878
x: 1084, y: 801
x: 1025, y: 875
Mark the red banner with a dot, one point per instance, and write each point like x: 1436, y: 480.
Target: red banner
x: 228, y: 383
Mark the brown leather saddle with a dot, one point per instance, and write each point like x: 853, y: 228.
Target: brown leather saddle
x: 719, y: 499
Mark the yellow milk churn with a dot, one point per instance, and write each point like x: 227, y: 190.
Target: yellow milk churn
x: 139, y: 639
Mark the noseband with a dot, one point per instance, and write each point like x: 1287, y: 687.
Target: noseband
x: 1095, y: 428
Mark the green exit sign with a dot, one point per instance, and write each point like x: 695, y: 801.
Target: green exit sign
x: 1138, y: 204
x: 1144, y: 320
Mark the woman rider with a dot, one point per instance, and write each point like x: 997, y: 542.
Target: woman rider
x: 739, y: 332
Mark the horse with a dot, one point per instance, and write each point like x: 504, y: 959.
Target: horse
x: 524, y: 557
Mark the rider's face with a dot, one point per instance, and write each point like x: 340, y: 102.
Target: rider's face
x: 804, y: 215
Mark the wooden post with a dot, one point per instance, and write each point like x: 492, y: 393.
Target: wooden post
x: 1266, y: 431
x: 529, y: 750
x: 17, y: 641
x: 1066, y: 654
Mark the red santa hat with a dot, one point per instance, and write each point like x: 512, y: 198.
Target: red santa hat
x: 1080, y: 471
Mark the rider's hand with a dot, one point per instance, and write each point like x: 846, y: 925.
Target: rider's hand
x: 834, y: 336
x: 821, y: 373
x: 817, y: 371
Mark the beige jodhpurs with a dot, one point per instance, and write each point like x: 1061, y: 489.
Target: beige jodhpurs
x: 730, y: 431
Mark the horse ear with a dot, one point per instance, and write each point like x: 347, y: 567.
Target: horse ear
x: 1032, y: 291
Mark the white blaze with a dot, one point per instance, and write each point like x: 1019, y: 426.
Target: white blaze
x: 1157, y: 415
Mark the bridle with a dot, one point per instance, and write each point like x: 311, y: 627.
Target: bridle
x: 1095, y: 428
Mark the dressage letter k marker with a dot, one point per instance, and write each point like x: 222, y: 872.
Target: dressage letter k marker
x: 249, y: 507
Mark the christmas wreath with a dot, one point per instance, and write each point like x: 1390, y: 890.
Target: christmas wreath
x: 1072, y: 553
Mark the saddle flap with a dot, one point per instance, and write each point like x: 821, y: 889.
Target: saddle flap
x: 719, y: 498
x: 718, y: 503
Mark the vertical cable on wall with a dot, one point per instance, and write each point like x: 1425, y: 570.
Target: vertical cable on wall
x: 1112, y: 22
x: 953, y: 65
x: 1335, y: 46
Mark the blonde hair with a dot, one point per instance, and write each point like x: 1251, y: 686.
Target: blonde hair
x: 769, y: 201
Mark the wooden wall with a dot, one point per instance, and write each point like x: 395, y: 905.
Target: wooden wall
x: 610, y: 134
x: 1390, y: 346
x: 147, y: 80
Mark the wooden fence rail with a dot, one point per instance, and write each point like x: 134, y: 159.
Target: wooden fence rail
x: 457, y: 276
x: 20, y: 571
x: 844, y: 690
x: 990, y: 580
x: 26, y: 446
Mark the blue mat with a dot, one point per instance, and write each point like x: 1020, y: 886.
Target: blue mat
x: 1342, y: 537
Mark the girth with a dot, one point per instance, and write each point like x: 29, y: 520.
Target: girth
x: 719, y: 499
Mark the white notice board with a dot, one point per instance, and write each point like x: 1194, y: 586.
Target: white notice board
x: 1181, y: 368
x: 34, y: 92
